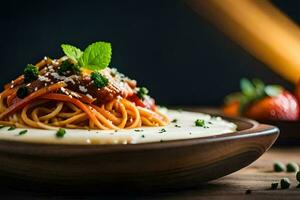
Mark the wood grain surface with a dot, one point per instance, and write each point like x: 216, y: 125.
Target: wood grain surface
x: 257, y: 177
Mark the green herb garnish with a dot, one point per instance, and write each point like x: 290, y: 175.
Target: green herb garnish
x: 96, y: 56
x: 274, y: 186
x: 2, y: 126
x: 143, y: 136
x: 31, y: 73
x: 278, y: 167
x: 11, y: 128
x: 174, y: 120
x: 292, y: 167
x: 138, y: 130
x: 100, y: 81
x: 200, y: 122
x: 177, y: 126
x: 60, y: 133
x: 22, y: 92
x: 72, y: 52
x: 142, y: 92
x: 23, y: 132
x: 68, y: 68
x: 285, y: 183
x: 162, y: 130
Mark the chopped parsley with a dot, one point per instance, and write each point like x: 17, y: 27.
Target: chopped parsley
x: 68, y: 68
x: 23, y: 132
x: 200, y: 122
x: 162, y: 130
x: 138, y: 130
x: 11, y: 128
x: 61, y: 133
x: 274, y: 185
x: 22, y: 92
x: 100, y: 81
x: 174, y: 120
x: 2, y: 126
x: 143, y: 136
x: 142, y: 92
x: 31, y: 73
x: 177, y: 126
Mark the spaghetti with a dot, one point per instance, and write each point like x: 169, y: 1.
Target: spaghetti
x: 73, y: 99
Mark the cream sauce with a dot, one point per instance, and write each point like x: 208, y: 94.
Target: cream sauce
x: 184, y: 128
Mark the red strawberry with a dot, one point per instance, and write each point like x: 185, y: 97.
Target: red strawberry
x: 282, y: 107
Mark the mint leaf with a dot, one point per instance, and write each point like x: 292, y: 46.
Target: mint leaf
x: 72, y: 52
x: 273, y: 90
x: 96, y: 56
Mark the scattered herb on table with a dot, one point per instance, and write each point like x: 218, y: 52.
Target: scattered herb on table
x: 248, y: 191
x: 177, y: 126
x: 2, y: 126
x: 11, y: 128
x: 143, y: 136
x: 285, y: 183
x: 23, y: 132
x: 292, y: 167
x: 61, y: 133
x: 278, y: 167
x: 174, y: 120
x: 274, y: 186
x: 162, y: 130
x: 298, y: 176
x: 200, y: 122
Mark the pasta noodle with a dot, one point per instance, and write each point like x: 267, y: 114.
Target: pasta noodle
x: 52, y: 102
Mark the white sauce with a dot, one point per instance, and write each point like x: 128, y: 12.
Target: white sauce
x: 184, y: 128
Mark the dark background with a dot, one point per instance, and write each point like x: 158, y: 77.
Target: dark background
x: 164, y: 45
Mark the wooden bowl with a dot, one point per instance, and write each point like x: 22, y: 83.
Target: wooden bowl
x: 172, y: 164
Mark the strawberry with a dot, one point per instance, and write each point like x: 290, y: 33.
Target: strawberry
x: 297, y: 91
x: 263, y: 102
x: 284, y: 106
x: 231, y: 109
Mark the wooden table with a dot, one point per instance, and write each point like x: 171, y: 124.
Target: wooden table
x: 257, y: 178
